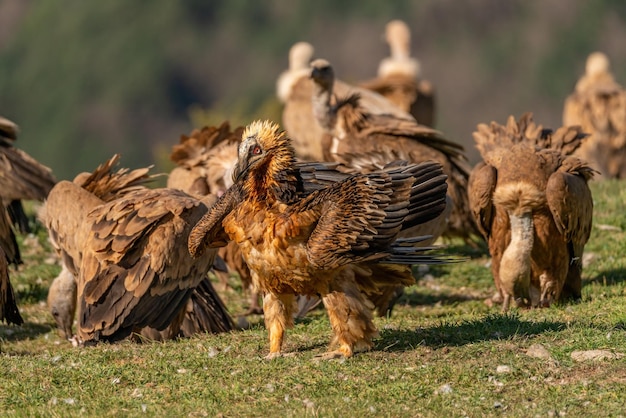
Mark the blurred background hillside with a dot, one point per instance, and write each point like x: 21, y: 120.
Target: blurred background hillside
x: 85, y: 80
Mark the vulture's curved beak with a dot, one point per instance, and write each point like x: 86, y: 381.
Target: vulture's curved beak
x: 240, y: 170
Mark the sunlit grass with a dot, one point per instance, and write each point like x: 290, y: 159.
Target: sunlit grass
x: 443, y: 352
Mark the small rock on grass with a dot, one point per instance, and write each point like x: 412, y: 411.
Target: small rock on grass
x: 595, y: 355
x: 444, y: 390
x: 502, y: 369
x: 538, y: 351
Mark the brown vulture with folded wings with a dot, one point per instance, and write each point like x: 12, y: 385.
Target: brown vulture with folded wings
x: 68, y: 231
x: 21, y: 176
x: 353, y: 129
x: 532, y: 203
x: 598, y: 105
x: 122, y: 242
x: 294, y: 89
x: 309, y: 233
x: 399, y: 77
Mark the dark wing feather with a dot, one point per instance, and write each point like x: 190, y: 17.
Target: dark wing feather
x: 318, y: 175
x: 8, y: 242
x: 18, y: 216
x: 428, y: 193
x: 359, y: 216
x: 23, y: 177
x: 205, y: 312
x: 427, y: 199
x: 424, y: 106
x: 8, y: 305
x: 362, y: 216
x: 341, y: 216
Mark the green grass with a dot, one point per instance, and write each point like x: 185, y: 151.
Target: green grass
x: 443, y: 352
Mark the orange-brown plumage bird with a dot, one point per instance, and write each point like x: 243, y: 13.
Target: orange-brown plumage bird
x: 399, y: 78
x: 598, y: 105
x: 206, y: 161
x: 353, y: 129
x: 124, y: 249
x: 531, y: 200
x: 314, y: 234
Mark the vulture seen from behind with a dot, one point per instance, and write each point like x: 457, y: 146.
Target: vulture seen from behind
x: 121, y: 241
x: 532, y: 203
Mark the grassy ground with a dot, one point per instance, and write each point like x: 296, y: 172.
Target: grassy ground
x: 443, y: 352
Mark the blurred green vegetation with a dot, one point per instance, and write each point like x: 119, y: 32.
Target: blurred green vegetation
x: 85, y: 80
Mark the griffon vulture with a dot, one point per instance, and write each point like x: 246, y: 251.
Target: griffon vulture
x: 531, y: 201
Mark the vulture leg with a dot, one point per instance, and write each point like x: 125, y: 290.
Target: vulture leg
x: 350, y: 316
x: 279, y: 310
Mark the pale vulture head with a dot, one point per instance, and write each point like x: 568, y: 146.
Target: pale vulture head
x: 398, y: 36
x: 597, y: 63
x: 300, y: 55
